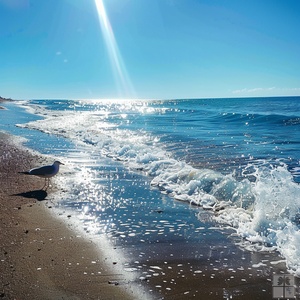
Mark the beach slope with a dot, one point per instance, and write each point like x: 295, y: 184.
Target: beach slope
x: 40, y: 257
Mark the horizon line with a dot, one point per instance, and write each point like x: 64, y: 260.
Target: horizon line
x: 146, y: 99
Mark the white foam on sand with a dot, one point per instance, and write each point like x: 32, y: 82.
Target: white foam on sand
x: 263, y: 210
x: 112, y: 257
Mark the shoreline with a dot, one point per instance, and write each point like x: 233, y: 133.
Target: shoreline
x: 37, y: 256
x: 212, y: 265
x: 38, y: 260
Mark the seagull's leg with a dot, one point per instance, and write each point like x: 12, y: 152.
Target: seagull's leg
x: 46, y: 183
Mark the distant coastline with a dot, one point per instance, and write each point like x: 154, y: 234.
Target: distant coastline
x: 2, y: 99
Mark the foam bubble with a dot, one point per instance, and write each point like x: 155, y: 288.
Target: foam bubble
x: 263, y: 206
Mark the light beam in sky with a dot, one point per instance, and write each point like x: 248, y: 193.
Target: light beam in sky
x: 123, y: 81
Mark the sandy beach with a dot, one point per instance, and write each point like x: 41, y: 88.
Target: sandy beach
x: 40, y: 257
x: 43, y: 257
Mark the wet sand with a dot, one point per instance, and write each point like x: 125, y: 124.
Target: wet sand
x: 212, y: 268
x: 40, y: 257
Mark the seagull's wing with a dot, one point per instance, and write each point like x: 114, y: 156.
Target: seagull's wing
x: 42, y: 171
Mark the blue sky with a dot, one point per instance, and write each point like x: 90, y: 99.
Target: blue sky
x: 149, y: 49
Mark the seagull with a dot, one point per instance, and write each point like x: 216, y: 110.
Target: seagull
x: 45, y: 171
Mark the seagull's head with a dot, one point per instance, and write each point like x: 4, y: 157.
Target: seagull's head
x: 57, y: 163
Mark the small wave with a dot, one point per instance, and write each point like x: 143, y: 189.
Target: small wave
x: 262, y: 206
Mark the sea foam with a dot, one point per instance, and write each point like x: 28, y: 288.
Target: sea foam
x: 262, y: 206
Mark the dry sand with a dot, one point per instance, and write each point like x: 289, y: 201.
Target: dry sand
x: 40, y: 257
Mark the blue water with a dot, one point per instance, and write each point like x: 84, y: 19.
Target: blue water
x: 221, y: 133
x: 237, y: 158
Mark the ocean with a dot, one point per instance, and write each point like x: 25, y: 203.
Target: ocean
x: 179, y: 175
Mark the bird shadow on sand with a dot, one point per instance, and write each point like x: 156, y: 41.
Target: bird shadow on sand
x: 39, y: 195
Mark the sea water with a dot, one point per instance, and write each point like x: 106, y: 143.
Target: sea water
x: 238, y: 158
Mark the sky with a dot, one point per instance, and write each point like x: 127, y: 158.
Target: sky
x: 149, y: 49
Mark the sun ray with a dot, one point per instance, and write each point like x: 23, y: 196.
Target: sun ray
x: 125, y: 87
